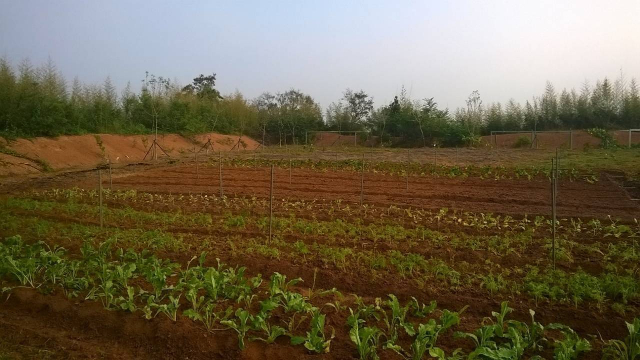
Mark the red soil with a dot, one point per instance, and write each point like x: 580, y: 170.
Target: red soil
x: 77, y: 152
x: 324, y: 139
x: 577, y: 199
x: 550, y: 140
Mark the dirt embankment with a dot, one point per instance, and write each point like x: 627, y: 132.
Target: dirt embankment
x: 577, y: 139
x: 26, y: 156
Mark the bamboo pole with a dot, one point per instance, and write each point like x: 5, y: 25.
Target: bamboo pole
x: 435, y: 156
x: 100, y: 196
x: 220, y: 171
x: 553, y: 211
x: 406, y: 178
x: 570, y: 139
x: 362, y: 182
x: 197, y: 168
x: 271, y: 207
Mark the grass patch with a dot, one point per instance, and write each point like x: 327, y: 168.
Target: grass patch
x: 44, y: 165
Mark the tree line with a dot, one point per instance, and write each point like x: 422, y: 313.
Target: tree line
x: 37, y: 101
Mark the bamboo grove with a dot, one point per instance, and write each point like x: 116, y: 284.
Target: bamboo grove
x: 38, y: 101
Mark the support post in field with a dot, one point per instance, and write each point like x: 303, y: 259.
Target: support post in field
x: 406, y: 185
x: 553, y: 211
x: 100, y: 197
x: 406, y: 178
x: 629, y: 138
x: 570, y: 139
x: 220, y: 171
x: 197, y: 168
x: 557, y: 173
x: 362, y: 182
x: 271, y: 207
x: 290, y: 163
x: 110, y: 178
x: 435, y: 155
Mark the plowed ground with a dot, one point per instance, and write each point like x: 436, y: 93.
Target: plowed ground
x: 33, y: 325
x: 515, y: 197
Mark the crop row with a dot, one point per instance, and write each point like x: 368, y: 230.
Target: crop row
x: 616, y: 285
x: 512, y: 239
x: 411, y: 167
x: 224, y: 298
x: 408, y: 217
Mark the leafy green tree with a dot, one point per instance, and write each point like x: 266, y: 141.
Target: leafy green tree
x: 351, y: 113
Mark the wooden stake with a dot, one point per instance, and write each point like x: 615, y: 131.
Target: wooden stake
x: 220, y: 170
x: 110, y: 178
x: 435, y: 156
x: 362, y: 182
x: 197, y: 168
x: 570, y: 139
x: 553, y: 211
x: 289, y: 170
x: 271, y: 207
x: 100, y: 196
x: 407, y: 178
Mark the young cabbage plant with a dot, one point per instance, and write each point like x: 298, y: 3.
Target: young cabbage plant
x: 272, y: 331
x: 315, y: 340
x: 170, y: 309
x: 241, y: 325
x: 128, y: 303
x: 366, y: 338
x: 423, y: 310
x: 206, y: 315
x: 398, y: 319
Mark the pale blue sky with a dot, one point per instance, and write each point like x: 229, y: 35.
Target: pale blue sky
x: 442, y: 49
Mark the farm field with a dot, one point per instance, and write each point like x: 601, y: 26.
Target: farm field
x: 447, y: 259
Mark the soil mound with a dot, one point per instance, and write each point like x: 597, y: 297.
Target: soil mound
x: 25, y: 156
x: 577, y: 139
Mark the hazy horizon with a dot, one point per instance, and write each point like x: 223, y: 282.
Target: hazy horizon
x: 443, y: 50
